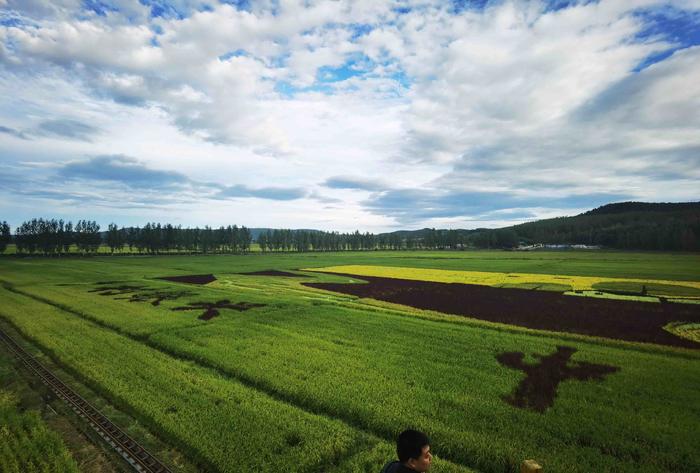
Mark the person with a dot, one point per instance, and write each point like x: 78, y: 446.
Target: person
x: 413, y: 450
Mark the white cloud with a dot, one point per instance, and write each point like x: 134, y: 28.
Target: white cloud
x: 513, y: 98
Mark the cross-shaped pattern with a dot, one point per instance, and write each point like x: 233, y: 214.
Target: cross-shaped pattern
x: 539, y: 388
x: 211, y: 309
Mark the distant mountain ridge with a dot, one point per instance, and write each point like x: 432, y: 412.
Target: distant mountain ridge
x: 623, y: 207
x: 623, y: 225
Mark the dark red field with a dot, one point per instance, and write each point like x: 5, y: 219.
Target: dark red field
x: 191, y: 278
x: 624, y: 320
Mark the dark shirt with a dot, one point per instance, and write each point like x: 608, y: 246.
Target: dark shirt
x: 397, y: 467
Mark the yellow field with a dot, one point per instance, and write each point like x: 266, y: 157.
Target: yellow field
x: 490, y: 279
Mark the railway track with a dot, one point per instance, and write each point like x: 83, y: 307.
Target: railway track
x: 137, y: 456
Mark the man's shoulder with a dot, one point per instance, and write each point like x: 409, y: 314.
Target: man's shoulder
x: 396, y: 467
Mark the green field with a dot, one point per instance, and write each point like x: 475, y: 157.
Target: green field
x: 314, y: 381
x: 26, y: 443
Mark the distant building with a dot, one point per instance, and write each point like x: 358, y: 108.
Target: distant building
x: 542, y: 246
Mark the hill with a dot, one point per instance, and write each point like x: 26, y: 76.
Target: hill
x: 624, y: 225
x: 626, y: 207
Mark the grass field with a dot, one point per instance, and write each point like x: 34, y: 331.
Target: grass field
x: 26, y: 443
x: 308, y: 380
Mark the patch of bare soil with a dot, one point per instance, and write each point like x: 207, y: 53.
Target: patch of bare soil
x: 539, y: 388
x: 116, y: 290
x: 155, y: 297
x: 274, y: 272
x: 624, y: 320
x: 191, y: 278
x: 211, y: 309
x: 139, y: 293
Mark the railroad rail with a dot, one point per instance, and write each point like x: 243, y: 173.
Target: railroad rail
x: 137, y: 456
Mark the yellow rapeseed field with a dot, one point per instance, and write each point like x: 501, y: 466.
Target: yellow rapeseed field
x: 489, y: 278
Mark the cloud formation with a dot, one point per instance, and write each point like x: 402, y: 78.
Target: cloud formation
x: 413, y: 206
x: 357, y: 183
x: 441, y: 111
x: 70, y: 129
x: 272, y: 193
x: 13, y: 132
x: 121, y: 169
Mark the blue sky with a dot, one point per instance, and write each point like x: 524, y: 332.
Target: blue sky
x: 338, y: 115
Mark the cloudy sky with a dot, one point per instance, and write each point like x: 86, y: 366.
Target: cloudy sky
x: 342, y: 115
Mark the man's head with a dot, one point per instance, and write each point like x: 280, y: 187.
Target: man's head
x: 413, y: 449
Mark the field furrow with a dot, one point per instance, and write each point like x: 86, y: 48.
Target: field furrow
x: 220, y: 422
x: 351, y: 365
x: 359, y: 369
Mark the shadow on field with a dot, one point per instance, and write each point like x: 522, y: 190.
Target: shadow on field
x: 624, y: 320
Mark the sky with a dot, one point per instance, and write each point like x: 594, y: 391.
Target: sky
x: 343, y: 115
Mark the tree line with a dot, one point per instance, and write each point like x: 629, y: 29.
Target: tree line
x: 633, y: 226
x: 156, y: 238
x: 55, y: 237
x: 426, y: 239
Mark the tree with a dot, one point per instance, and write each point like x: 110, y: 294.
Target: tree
x: 67, y: 237
x: 114, y: 238
x: 245, y: 238
x: 5, y: 236
x: 87, y: 236
x: 262, y: 242
x: 506, y: 238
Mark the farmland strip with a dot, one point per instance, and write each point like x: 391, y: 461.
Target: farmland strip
x: 355, y: 364
x: 624, y: 320
x: 239, y: 377
x: 204, y: 413
x: 136, y: 455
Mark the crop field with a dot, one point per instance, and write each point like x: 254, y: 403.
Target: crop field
x: 26, y: 443
x: 548, y: 282
x: 294, y: 362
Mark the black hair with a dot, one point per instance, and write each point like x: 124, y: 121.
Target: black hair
x: 410, y: 444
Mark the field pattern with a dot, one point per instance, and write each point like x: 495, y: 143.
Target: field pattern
x: 554, y: 282
x: 630, y: 320
x: 307, y: 380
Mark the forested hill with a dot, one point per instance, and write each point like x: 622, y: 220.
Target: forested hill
x: 627, y: 207
x: 625, y: 225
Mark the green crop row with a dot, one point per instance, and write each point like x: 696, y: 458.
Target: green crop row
x: 26, y: 443
x: 219, y: 422
x: 379, y: 370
